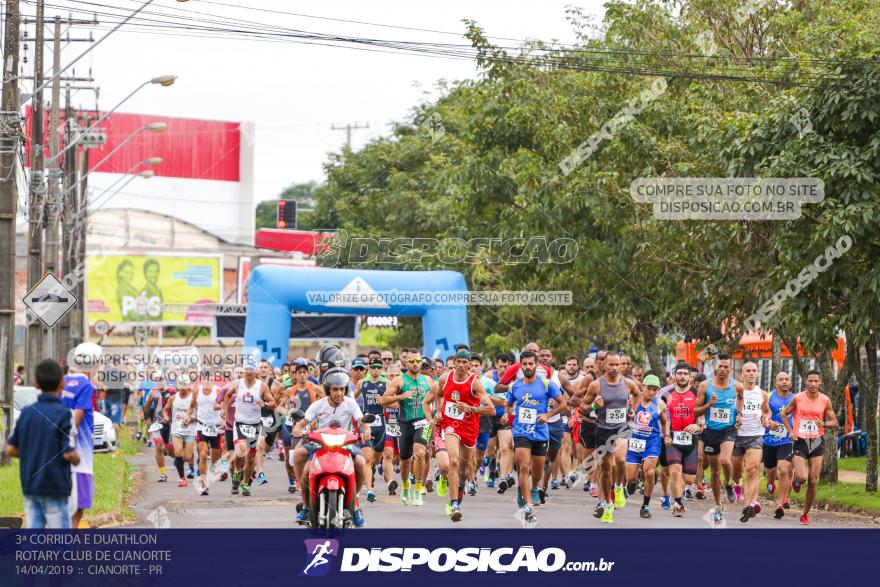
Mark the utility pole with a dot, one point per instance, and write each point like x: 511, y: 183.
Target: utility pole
x: 348, y: 128
x: 55, y: 204
x: 10, y: 130
x: 36, y: 197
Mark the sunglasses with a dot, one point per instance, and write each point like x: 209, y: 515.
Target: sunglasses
x: 387, y: 359
x: 358, y: 368
x: 375, y: 366
x: 413, y: 361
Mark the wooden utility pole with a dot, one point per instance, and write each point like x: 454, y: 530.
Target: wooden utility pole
x: 54, y: 205
x: 348, y: 127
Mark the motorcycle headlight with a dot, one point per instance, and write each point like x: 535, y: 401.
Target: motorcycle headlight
x: 333, y: 440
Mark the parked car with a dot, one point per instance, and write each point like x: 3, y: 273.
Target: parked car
x: 104, y: 437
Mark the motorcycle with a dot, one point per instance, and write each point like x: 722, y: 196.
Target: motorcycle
x: 332, y: 476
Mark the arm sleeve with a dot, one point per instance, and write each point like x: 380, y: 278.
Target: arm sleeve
x: 510, y: 374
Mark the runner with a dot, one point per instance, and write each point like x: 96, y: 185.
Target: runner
x: 813, y: 413
x: 299, y: 395
x: 720, y: 394
x: 372, y: 389
x: 409, y: 391
x: 681, y: 444
x: 249, y: 398
x: 530, y: 397
x: 462, y: 401
x: 78, y: 396
x: 228, y: 414
x: 778, y: 446
x: 612, y: 397
x: 160, y: 395
x: 342, y: 409
x: 584, y: 428
x: 391, y: 448
x: 567, y: 379
x: 183, y: 427
x: 269, y: 426
x: 753, y: 415
x: 206, y: 409
x: 649, y: 429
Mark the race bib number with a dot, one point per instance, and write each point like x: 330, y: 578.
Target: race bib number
x: 211, y: 430
x: 527, y: 415
x: 615, y: 416
x: 451, y: 411
x: 682, y: 438
x: 248, y: 398
x: 421, y: 424
x: 637, y: 444
x: 808, y: 428
x: 268, y: 421
x: 392, y: 430
x: 751, y: 407
x: 719, y: 415
x: 289, y: 420
x: 248, y: 430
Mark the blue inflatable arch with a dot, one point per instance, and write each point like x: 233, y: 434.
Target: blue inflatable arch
x: 274, y: 291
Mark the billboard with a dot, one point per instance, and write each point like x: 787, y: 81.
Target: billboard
x: 135, y: 288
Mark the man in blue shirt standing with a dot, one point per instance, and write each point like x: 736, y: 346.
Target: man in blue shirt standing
x: 78, y: 396
x: 42, y: 441
x: 530, y: 397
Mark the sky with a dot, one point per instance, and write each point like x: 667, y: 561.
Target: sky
x: 293, y: 93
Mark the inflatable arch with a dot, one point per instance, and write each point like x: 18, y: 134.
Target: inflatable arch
x: 274, y: 291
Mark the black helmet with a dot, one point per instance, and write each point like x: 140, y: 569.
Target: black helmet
x: 335, y: 377
x: 330, y: 356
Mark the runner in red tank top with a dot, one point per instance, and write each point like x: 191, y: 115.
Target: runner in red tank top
x: 463, y: 402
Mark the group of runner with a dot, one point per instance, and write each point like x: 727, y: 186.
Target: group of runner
x: 445, y: 426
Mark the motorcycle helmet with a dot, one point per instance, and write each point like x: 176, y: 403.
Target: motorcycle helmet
x: 336, y: 377
x: 330, y: 356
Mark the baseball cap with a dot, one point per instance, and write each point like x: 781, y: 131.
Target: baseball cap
x: 300, y: 362
x: 652, y: 381
x: 358, y: 362
x: 376, y: 363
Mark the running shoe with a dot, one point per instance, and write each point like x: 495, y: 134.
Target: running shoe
x: 536, y: 497
x: 448, y: 508
x: 688, y: 494
x: 593, y: 491
x: 757, y: 507
x: 485, y: 462
x: 359, y: 520
x: 678, y: 510
x: 417, y: 498
x: 245, y: 489
x: 302, y: 518
x: 291, y: 488
x: 192, y: 473
x: 529, y: 515
x: 717, y: 515
x: 429, y: 485
x: 423, y: 491
x: 397, y: 469
x: 472, y: 489
x: 392, y: 487
x: 779, y: 513
x: 261, y: 478
x: 554, y: 484
x: 511, y: 481
x: 588, y: 487
x: 731, y: 496
x: 701, y: 492
x: 224, y: 476
x: 182, y: 483
x: 796, y: 486
x: 455, y: 512
x: 645, y: 512
x: 404, y: 496
x: 625, y: 492
x: 483, y: 473
x: 163, y: 478
x: 490, y: 482
x: 748, y: 512
x: 502, y: 486
x: 630, y: 488
x: 149, y: 444
x: 738, y: 491
x: 665, y: 503
x: 371, y: 497
x: 204, y: 490
x: 608, y: 514
x: 805, y: 519
x: 519, y: 499
x: 619, y: 498
x: 771, y: 487
x: 442, y: 487
x: 572, y: 479
x: 599, y: 511
x: 786, y: 504
x: 542, y: 495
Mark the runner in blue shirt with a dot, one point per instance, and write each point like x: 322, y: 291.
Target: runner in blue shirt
x: 78, y: 396
x: 778, y: 446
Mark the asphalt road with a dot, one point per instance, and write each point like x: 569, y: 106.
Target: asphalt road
x: 271, y: 506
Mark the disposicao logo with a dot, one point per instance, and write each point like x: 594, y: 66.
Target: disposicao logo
x: 320, y: 552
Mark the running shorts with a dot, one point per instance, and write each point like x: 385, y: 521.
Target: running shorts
x: 774, y: 454
x: 496, y: 426
x: 713, y: 439
x: 270, y: 425
x: 485, y: 424
x: 410, y: 434
x: 538, y: 448
x: 585, y: 431
x: 744, y: 443
x: 651, y: 451
x: 212, y: 441
x: 391, y: 442
x: 686, y: 456
x: 556, y: 430
x: 230, y: 438
x: 466, y: 429
x: 809, y: 448
x: 377, y: 437
x: 608, y: 437
x: 247, y: 433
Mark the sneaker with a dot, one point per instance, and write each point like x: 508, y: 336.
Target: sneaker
x: 234, y: 488
x: 224, y: 476
x: 455, y: 512
x: 619, y: 498
x: 786, y: 504
x: 245, y: 489
x: 731, y: 496
x: 149, y: 444
x: 572, y: 479
x: 472, y: 489
x: 599, y: 511
x: 593, y: 491
x: 536, y: 497
x: 359, y: 520
x: 519, y: 499
x: 182, y: 483
x: 302, y: 518
x: 442, y: 487
x: 678, y: 510
x: 483, y: 473
x: 645, y: 512
x: 392, y: 487
x: 371, y: 497
x: 162, y: 478
x: 666, y: 502
x: 554, y: 484
x: 757, y: 507
x: 397, y: 469
x: 779, y: 513
x: 796, y: 486
x: 404, y: 497
x: 529, y: 515
x: 192, y: 473
x: 417, y: 499
x: 748, y: 512
x: 771, y: 487
x: 291, y: 488
x: 688, y: 494
x: 805, y: 519
x: 204, y: 490
x: 701, y: 492
x: 717, y: 515
x: 588, y: 487
x: 608, y: 514
x: 511, y: 481
x: 448, y: 508
x: 502, y: 486
x: 429, y: 485
x: 738, y: 491
x: 261, y: 478
x: 542, y: 495
x: 490, y: 482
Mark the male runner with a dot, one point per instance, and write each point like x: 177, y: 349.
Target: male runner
x: 206, y: 412
x: 160, y: 395
x: 391, y: 449
x: 778, y: 446
x: 681, y: 444
x: 462, y: 401
x: 584, y: 428
x: 269, y: 427
x: 753, y: 415
x: 720, y: 395
x: 566, y: 461
x: 649, y: 429
x: 301, y: 394
x: 530, y: 397
x: 500, y: 436
x: 372, y: 388
x: 183, y: 426
x: 249, y: 398
x: 410, y: 391
x: 813, y: 414
x: 612, y: 397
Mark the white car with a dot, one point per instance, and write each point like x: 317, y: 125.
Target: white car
x: 104, y: 437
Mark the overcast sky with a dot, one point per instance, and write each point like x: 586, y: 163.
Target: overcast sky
x: 294, y: 92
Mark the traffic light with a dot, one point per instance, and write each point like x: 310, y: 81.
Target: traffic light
x: 286, y: 216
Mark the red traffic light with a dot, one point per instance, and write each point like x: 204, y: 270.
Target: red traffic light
x: 286, y: 214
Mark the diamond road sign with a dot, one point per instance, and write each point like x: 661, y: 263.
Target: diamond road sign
x: 49, y: 300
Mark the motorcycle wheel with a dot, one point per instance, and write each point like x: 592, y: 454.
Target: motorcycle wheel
x: 332, y: 500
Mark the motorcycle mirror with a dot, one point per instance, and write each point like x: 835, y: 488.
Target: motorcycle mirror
x: 369, y: 418
x: 297, y: 416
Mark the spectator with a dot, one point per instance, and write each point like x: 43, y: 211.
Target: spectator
x: 41, y: 435
x: 18, y: 376
x: 79, y: 394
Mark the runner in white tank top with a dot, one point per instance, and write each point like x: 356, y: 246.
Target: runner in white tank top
x: 179, y: 411
x: 752, y: 415
x: 210, y: 426
x: 251, y: 395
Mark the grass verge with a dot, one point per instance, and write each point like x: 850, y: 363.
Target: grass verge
x: 847, y: 497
